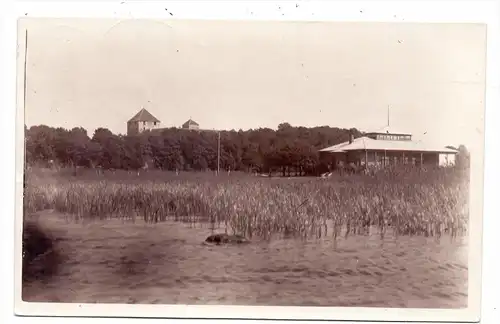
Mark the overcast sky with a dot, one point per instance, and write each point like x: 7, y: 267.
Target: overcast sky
x: 241, y: 75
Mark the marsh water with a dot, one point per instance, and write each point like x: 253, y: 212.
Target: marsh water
x: 167, y: 263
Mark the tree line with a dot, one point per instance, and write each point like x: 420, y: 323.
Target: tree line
x: 288, y: 150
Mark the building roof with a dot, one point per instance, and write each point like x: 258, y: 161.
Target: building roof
x: 387, y: 130
x: 190, y: 122
x: 366, y: 143
x: 144, y: 116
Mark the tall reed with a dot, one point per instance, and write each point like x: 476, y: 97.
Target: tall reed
x: 407, y: 202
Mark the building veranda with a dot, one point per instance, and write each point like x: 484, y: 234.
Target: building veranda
x: 385, y: 148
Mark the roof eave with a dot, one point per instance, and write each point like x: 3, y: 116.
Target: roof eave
x: 343, y: 150
x: 399, y: 149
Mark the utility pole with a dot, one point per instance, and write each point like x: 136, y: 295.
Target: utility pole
x: 218, y: 152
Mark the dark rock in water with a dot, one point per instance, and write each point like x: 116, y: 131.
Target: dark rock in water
x: 219, y: 239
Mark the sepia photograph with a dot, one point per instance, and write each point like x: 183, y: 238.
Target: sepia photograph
x: 251, y: 163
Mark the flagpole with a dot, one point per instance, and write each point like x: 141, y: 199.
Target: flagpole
x: 388, y: 120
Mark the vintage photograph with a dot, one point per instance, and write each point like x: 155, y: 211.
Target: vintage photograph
x: 254, y: 163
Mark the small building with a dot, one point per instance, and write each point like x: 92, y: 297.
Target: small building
x: 385, y: 148
x: 141, y: 122
x: 191, y: 124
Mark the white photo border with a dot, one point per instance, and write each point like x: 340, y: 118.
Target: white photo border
x: 484, y: 12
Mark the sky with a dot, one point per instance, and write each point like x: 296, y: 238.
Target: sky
x: 239, y: 75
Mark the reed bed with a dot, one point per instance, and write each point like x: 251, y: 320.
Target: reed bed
x: 407, y: 202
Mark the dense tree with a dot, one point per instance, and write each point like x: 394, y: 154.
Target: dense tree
x: 288, y: 150
x: 463, y: 157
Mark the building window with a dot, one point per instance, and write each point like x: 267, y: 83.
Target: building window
x: 154, y: 123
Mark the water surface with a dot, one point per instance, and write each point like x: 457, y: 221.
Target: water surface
x: 116, y: 262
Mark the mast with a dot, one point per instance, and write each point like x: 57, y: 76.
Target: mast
x: 388, y: 113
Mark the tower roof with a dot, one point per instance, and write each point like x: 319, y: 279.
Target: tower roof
x: 144, y: 116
